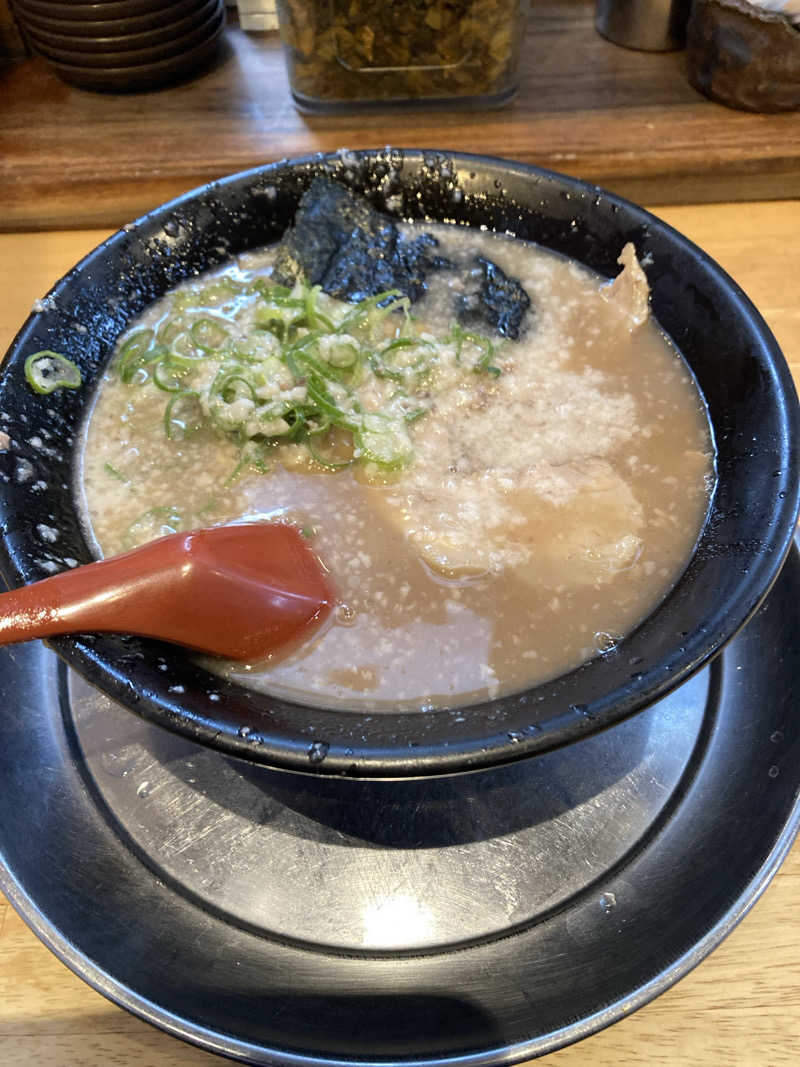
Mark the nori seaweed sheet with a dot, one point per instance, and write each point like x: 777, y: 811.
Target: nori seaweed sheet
x: 341, y: 243
x: 500, y: 301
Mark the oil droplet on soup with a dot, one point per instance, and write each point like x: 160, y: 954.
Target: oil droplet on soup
x: 554, y: 502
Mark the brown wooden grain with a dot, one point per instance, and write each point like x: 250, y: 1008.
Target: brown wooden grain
x: 626, y: 120
x: 739, y: 1008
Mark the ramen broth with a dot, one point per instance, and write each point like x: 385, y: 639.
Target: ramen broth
x: 547, y: 509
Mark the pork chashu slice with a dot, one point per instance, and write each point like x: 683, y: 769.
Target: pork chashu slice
x: 518, y: 472
x: 571, y: 525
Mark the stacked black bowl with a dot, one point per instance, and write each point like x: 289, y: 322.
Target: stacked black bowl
x: 123, y: 45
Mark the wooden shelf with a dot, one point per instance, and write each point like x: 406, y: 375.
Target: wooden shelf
x: 626, y: 120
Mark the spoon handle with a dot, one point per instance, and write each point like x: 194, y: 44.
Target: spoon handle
x: 28, y: 612
x: 123, y: 593
x: 239, y: 591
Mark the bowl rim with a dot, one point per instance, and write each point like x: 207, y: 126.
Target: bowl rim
x: 295, y: 737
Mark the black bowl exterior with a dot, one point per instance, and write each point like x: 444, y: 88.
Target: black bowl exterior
x: 736, y: 360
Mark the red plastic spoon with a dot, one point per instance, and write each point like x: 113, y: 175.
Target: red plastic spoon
x: 240, y: 591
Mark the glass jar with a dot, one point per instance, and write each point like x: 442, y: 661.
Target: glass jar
x: 345, y: 52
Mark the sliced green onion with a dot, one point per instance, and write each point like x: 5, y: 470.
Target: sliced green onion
x: 109, y: 468
x: 217, y: 292
x: 208, y: 334
x: 299, y: 374
x: 339, y: 416
x: 167, y: 374
x: 343, y: 356
x: 417, y: 413
x: 402, y: 370
x: 404, y: 342
x: 155, y: 522
x: 136, y: 345
x: 47, y: 371
x: 133, y: 354
x: 137, y: 354
x: 380, y: 370
x: 171, y: 329
x: 384, y: 441
x: 313, y: 315
x: 182, y: 415
x: 281, y: 317
x: 253, y: 454
x: 297, y: 425
x: 322, y: 370
x: 255, y: 349
x: 484, y: 362
x: 224, y: 386
x: 185, y: 347
x: 327, y: 462
x: 237, y: 470
x: 374, y: 309
x: 270, y: 292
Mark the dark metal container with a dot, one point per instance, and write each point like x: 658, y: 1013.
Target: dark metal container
x: 644, y: 25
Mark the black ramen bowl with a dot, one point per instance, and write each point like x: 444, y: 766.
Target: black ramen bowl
x: 737, y: 363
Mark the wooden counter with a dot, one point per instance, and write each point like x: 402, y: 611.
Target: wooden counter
x: 626, y: 120
x: 740, y: 1008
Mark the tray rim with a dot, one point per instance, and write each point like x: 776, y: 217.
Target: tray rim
x: 246, y: 1052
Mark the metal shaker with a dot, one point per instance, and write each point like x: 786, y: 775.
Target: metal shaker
x: 645, y: 25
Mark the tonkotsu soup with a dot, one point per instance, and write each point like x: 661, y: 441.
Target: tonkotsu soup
x: 504, y: 477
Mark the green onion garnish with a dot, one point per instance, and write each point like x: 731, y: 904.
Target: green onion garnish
x: 307, y: 368
x: 47, y: 371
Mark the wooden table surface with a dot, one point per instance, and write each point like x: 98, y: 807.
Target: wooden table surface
x: 627, y: 120
x: 739, y: 1008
